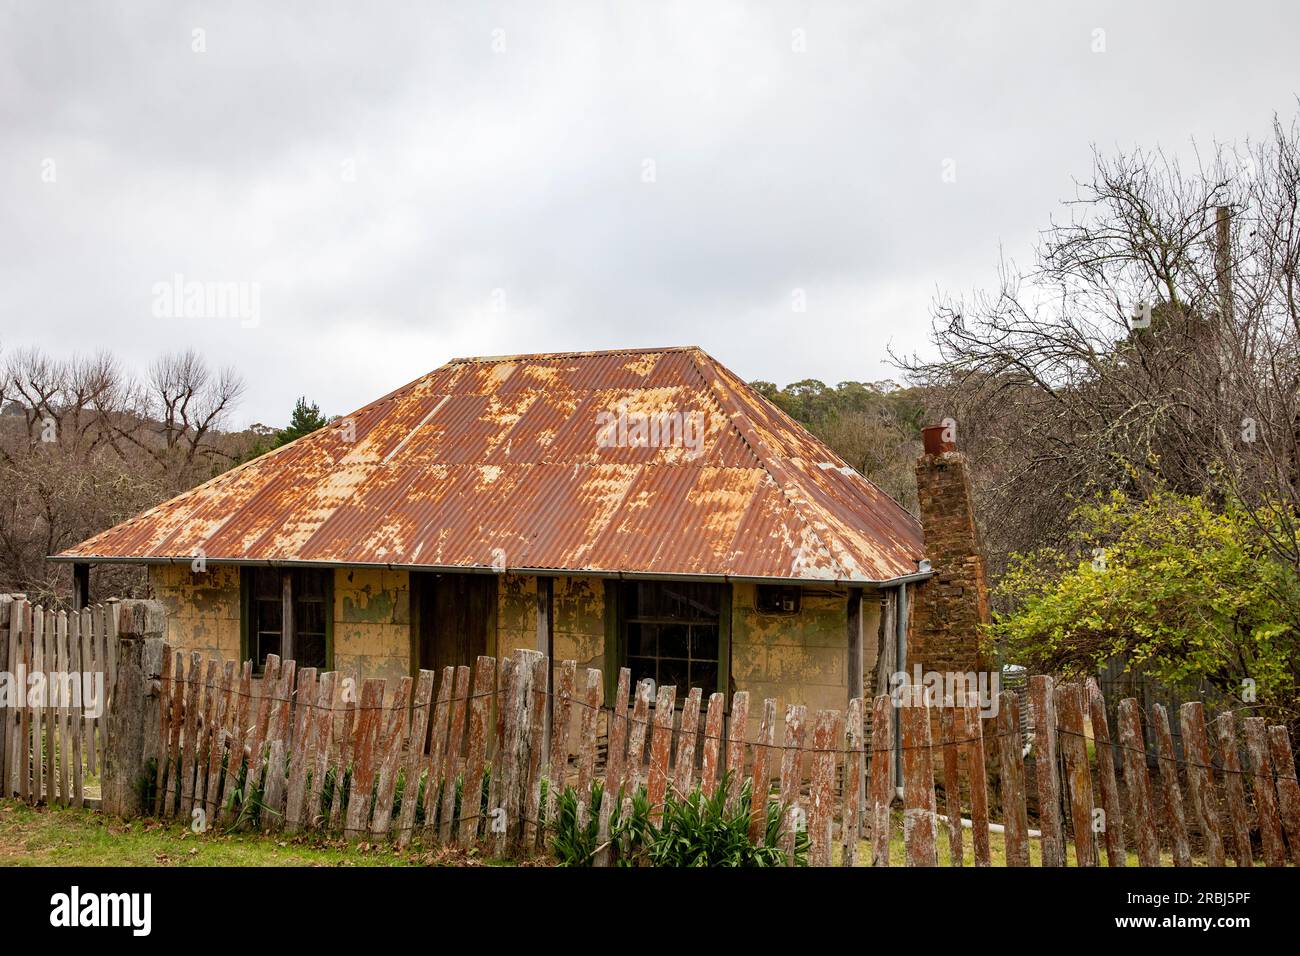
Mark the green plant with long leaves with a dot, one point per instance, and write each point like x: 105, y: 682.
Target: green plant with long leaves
x: 694, y: 830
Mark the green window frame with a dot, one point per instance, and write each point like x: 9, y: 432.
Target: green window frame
x: 308, y: 595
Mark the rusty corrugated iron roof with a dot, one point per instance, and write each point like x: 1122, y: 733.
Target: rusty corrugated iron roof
x: 498, y: 461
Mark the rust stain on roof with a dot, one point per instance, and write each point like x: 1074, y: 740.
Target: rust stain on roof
x: 512, y: 457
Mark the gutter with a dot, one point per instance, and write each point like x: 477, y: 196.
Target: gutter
x: 489, y: 569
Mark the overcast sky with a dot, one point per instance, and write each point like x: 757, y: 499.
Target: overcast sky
x: 401, y: 184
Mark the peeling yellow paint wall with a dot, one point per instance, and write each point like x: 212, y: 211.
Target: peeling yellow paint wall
x: 516, y: 613
x: 578, y: 619
x: 580, y: 622
x: 202, y: 609
x: 372, y: 623
x: 801, y: 658
x: 372, y: 616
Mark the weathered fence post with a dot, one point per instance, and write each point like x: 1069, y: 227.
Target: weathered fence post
x: 6, y: 607
x: 1042, y: 702
x: 133, y: 707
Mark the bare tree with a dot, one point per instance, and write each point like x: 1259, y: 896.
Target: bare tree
x: 1156, y: 340
x: 190, y: 401
x: 84, y: 446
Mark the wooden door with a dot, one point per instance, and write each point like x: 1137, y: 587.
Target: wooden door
x: 456, y: 614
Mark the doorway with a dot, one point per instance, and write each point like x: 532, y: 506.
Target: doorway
x: 454, y: 616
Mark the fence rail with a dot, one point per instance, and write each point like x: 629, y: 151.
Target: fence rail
x: 296, y: 750
x: 59, y: 668
x: 475, y: 756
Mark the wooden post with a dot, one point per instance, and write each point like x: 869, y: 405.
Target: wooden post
x: 324, y: 739
x: 1173, y: 794
x: 762, y: 776
x: 545, y: 646
x: 736, y: 728
x: 795, y: 716
x: 365, y: 731
x: 479, y: 720
x: 1014, y: 813
x: 949, y: 722
x: 712, y: 745
x: 661, y: 745
x: 1112, y: 811
x: 1261, y: 766
x: 977, y: 773
x: 827, y: 731
x: 1074, y: 751
x: 1226, y: 731
x: 1288, y: 788
x: 451, y: 756
x: 514, y: 767
x: 918, y: 787
x: 855, y: 778
x: 557, y: 761
x: 80, y: 585
x: 1196, y: 751
x: 133, y: 708
x: 637, y: 735
x: 881, y: 795
x: 6, y: 612
x: 538, y: 706
x: 25, y: 629
x: 685, y: 768
x: 438, y: 743
x: 395, y: 729
x: 855, y: 643
x: 1042, y: 700
x: 617, y: 738
x: 1138, y: 782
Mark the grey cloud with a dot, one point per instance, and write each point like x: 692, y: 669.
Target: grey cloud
x: 521, y: 170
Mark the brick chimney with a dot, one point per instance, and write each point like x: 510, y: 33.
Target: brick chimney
x: 949, y: 608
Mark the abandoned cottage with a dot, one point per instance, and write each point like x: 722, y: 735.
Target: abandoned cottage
x: 636, y: 508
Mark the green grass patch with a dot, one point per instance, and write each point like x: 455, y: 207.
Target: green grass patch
x: 58, y: 836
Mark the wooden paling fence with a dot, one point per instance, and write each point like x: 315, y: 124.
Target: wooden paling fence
x: 473, y: 757
x: 59, y: 668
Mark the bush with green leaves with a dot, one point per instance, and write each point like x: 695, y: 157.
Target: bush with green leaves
x: 1188, y: 594
x: 694, y: 831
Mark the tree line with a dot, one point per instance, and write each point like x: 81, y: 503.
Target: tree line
x: 85, y: 444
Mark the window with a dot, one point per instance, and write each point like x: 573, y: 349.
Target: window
x: 267, y: 592
x: 777, y: 599
x: 265, y: 620
x: 672, y: 633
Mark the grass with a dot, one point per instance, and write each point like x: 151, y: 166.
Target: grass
x: 997, y: 849
x: 43, y: 836
x: 59, y: 836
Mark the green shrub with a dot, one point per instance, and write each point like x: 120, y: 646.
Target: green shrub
x: 1187, y: 593
x: 695, y: 830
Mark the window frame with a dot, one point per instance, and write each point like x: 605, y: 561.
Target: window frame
x: 616, y: 621
x: 285, y: 576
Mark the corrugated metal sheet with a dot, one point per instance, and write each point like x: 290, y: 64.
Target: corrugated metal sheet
x: 498, y: 458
